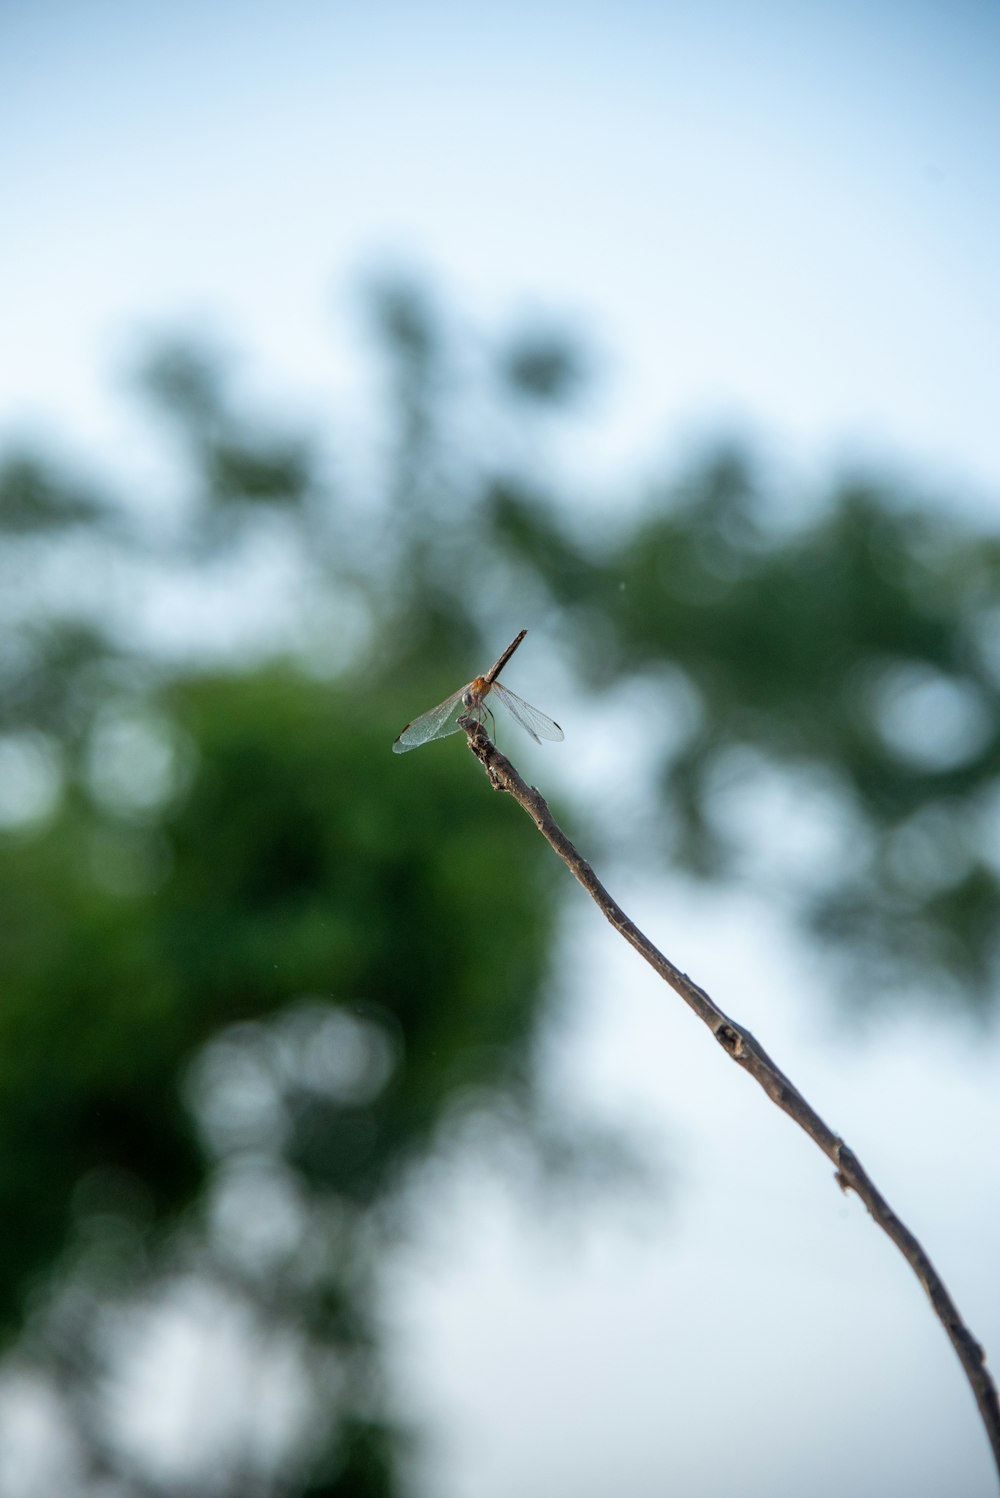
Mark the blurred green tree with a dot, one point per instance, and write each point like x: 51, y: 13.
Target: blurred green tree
x: 253, y: 971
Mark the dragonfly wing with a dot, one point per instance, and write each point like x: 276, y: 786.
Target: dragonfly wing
x: 531, y: 720
x: 437, y: 723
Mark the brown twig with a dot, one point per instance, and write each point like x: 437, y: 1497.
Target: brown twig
x: 748, y: 1053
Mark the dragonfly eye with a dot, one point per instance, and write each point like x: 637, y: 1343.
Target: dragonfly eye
x: 468, y: 699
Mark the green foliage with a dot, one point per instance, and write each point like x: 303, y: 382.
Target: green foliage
x: 288, y: 876
x: 36, y: 497
x: 543, y: 367
x: 849, y: 644
x: 252, y: 959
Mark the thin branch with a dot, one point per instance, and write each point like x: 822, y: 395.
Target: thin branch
x: 748, y: 1053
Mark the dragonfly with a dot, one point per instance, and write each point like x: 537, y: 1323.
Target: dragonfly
x: 470, y: 701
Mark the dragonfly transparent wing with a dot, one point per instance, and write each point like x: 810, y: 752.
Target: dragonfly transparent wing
x: 531, y: 720
x: 437, y: 723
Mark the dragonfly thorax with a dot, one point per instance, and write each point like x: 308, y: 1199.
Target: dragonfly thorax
x: 474, y: 693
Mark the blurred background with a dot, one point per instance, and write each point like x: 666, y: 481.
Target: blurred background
x: 343, y: 1149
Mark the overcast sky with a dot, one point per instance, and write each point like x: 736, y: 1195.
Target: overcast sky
x: 785, y: 216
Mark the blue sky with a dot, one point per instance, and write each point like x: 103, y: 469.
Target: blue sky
x: 781, y: 217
